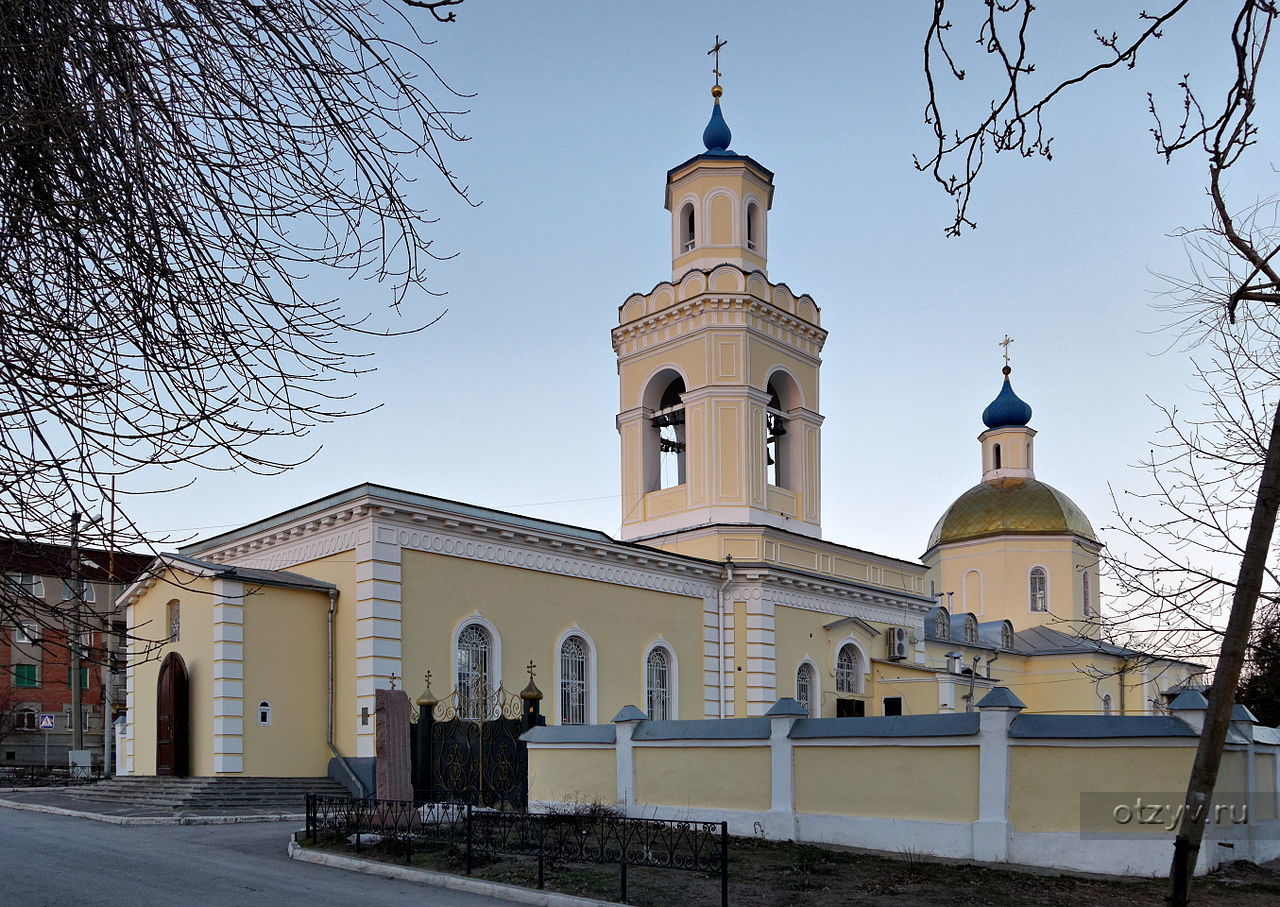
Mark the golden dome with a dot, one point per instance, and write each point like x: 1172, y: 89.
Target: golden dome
x: 1018, y: 506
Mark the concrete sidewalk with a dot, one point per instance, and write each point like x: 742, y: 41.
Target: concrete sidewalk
x: 65, y: 801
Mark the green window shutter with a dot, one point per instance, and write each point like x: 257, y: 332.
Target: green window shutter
x: 84, y: 678
x: 25, y: 676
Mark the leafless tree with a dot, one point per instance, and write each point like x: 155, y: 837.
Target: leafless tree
x: 182, y: 185
x: 1230, y: 493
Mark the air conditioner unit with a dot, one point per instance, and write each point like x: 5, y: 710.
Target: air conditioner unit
x: 899, y: 640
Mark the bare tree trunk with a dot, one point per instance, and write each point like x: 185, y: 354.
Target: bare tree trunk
x: 1204, y: 773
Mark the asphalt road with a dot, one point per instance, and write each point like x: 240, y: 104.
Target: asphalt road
x: 47, y: 859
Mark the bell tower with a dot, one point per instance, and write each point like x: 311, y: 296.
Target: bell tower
x: 718, y: 368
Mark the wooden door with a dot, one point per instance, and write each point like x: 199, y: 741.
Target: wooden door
x: 172, y: 727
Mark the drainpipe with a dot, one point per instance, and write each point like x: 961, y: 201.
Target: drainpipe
x: 973, y: 682
x: 990, y: 662
x: 342, y: 760
x: 720, y: 607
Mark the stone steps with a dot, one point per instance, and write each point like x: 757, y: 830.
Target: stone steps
x: 193, y: 794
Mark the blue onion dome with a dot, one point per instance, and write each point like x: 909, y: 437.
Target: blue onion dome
x: 1007, y: 408
x: 717, y: 135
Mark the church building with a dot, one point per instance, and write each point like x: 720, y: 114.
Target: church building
x: 720, y: 597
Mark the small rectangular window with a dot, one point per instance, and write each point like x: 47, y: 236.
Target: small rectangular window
x: 25, y: 676
x: 84, y: 678
x: 892, y: 705
x: 26, y: 634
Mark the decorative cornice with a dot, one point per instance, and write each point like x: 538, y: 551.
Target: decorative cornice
x: 796, y: 329
x: 473, y: 537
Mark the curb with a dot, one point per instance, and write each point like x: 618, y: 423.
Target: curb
x: 442, y: 879
x: 152, y: 820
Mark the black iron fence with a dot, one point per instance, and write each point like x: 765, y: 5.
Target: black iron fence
x: 41, y: 776
x: 591, y: 837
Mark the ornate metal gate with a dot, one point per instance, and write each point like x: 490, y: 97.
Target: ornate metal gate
x: 467, y: 747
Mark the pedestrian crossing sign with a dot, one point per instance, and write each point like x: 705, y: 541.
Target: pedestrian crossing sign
x: 46, y: 721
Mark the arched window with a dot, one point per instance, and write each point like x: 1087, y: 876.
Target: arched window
x: 1006, y: 637
x: 804, y: 688
x: 970, y: 629
x: 1106, y: 704
x: 657, y: 684
x: 1084, y: 590
x: 688, y: 238
x: 848, y: 670
x: 573, y: 681
x: 69, y: 593
x: 941, y: 624
x: 753, y: 225
x: 474, y: 646
x: 995, y: 456
x: 668, y: 424
x: 264, y: 712
x: 1038, y: 589
x: 775, y: 421
x: 173, y: 616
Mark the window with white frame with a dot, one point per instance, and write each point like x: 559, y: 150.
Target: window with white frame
x: 264, y: 713
x: 1038, y: 589
x: 27, y: 584
x: 573, y: 681
x: 69, y: 592
x: 25, y: 720
x: 26, y: 634
x: 848, y: 670
x: 804, y: 688
x: 174, y: 616
x: 657, y: 684
x: 474, y: 646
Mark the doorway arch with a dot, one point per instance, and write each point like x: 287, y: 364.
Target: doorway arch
x: 173, y: 727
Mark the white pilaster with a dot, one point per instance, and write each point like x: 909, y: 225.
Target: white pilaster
x: 228, y: 677
x: 378, y: 632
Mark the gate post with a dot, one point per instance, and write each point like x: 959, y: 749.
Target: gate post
x: 531, y: 704
x: 423, y: 782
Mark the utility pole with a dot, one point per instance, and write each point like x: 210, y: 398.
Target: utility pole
x: 77, y: 632
x: 77, y: 596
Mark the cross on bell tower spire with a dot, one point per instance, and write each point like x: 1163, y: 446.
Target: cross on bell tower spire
x: 715, y: 50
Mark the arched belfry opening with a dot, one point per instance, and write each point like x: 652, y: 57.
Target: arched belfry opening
x: 666, y: 447
x: 753, y: 227
x: 688, y: 232
x: 775, y: 434
x: 780, y: 440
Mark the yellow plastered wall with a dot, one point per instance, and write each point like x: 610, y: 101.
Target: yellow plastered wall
x: 339, y: 569
x: 897, y: 782
x: 709, y: 777
x: 1045, y: 782
x: 800, y: 635
x: 563, y: 774
x: 195, y: 645
x: 532, y: 610
x: 1000, y: 590
x: 279, y: 622
x: 917, y: 687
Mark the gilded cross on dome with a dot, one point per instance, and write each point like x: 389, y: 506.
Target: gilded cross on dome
x: 716, y: 51
x: 1005, y: 343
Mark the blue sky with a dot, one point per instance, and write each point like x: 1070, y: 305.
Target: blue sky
x: 578, y: 111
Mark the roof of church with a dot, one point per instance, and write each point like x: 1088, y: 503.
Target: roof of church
x: 717, y: 136
x: 1018, y: 506
x: 1007, y: 408
x: 1044, y: 640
